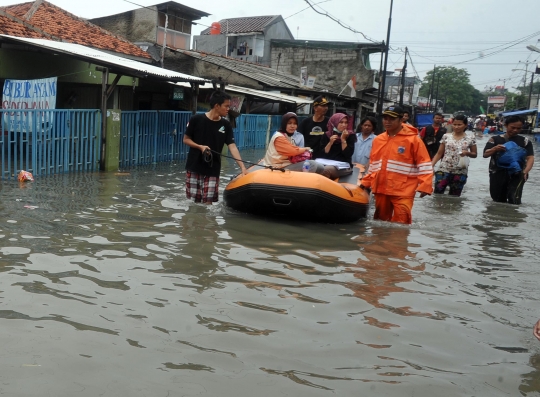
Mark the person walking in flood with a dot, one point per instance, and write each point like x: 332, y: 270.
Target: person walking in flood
x: 207, y: 133
x: 399, y: 167
x: 454, y: 152
x: 536, y: 330
x: 432, y: 134
x: 512, y: 158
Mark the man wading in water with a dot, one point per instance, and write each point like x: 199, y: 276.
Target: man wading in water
x: 399, y: 167
x: 207, y: 133
x: 432, y: 134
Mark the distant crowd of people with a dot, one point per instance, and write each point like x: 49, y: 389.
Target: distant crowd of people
x: 400, y: 161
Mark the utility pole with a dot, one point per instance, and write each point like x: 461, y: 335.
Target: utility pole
x: 162, y: 61
x: 383, y: 80
x: 403, y: 79
x: 538, y: 99
x: 530, y: 91
x: 437, y: 94
x: 445, y: 99
x: 431, y: 88
x: 379, y: 92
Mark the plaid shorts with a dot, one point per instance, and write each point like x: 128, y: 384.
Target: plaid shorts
x: 201, y: 188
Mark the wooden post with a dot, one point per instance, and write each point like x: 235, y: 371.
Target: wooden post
x: 104, y: 81
x: 195, y: 94
x: 105, y: 94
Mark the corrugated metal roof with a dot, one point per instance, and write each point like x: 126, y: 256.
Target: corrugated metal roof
x: 115, y: 63
x: 275, y: 96
x: 260, y: 73
x: 243, y: 24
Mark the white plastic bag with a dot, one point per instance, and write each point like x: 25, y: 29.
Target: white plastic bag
x: 463, y: 162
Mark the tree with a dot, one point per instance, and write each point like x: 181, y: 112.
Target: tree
x: 454, y: 86
x: 521, y: 98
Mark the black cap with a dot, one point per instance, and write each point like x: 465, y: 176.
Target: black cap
x: 321, y: 101
x: 393, y: 111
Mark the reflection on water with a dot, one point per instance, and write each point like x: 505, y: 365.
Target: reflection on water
x: 114, y: 284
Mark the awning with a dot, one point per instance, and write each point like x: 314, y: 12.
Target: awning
x: 274, y: 96
x: 519, y: 112
x: 116, y: 64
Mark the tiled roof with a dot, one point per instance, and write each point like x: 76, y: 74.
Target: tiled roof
x: 244, y: 24
x: 15, y: 27
x: 68, y: 27
x: 262, y: 74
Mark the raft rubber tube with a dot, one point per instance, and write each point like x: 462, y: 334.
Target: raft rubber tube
x: 298, y: 195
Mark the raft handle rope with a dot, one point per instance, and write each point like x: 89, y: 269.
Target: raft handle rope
x: 208, y: 157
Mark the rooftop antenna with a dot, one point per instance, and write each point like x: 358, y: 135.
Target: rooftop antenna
x: 297, y: 29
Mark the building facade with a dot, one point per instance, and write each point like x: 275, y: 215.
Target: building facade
x: 245, y: 39
x: 150, y: 27
x: 331, y: 63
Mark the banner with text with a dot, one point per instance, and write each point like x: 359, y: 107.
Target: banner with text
x: 28, y: 94
x: 501, y: 99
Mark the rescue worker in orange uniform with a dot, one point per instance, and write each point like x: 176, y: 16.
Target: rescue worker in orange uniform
x: 399, y: 167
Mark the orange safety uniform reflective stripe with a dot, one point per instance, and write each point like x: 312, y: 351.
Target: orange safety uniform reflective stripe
x: 399, y: 165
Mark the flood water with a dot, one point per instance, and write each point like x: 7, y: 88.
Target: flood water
x: 114, y: 285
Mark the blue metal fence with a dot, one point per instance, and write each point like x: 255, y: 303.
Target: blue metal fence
x: 47, y: 142
x: 149, y: 137
x: 250, y: 131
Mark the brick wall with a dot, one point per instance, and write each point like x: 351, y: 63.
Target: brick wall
x: 333, y: 67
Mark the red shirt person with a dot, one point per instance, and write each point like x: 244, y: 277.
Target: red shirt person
x: 432, y: 134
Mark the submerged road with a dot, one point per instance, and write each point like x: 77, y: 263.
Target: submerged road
x: 113, y: 285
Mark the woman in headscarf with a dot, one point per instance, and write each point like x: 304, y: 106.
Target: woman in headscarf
x: 282, y: 148
x: 338, y: 143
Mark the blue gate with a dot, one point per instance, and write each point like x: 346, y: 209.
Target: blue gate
x: 46, y: 142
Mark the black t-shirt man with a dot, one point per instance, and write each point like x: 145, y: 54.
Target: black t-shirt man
x: 213, y: 134
x: 505, y: 187
x: 519, y: 140
x: 313, y: 131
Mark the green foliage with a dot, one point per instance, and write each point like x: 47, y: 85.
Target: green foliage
x: 455, y: 87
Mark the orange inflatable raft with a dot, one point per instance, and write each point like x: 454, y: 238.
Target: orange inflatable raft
x: 299, y: 195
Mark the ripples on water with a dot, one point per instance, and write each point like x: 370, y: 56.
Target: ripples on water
x: 114, y: 284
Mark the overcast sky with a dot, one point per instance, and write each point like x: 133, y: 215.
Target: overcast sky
x: 442, y: 32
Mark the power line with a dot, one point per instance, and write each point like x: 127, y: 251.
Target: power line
x: 326, y: 14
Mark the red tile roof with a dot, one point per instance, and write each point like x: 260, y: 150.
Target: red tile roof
x: 13, y: 26
x: 65, y: 26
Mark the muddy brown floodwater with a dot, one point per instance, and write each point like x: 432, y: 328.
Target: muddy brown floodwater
x: 115, y: 285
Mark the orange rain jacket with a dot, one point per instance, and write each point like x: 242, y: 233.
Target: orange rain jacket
x: 399, y: 165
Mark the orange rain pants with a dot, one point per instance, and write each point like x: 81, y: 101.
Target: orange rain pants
x: 393, y: 208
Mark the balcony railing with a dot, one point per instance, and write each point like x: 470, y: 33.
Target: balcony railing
x: 175, y: 39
